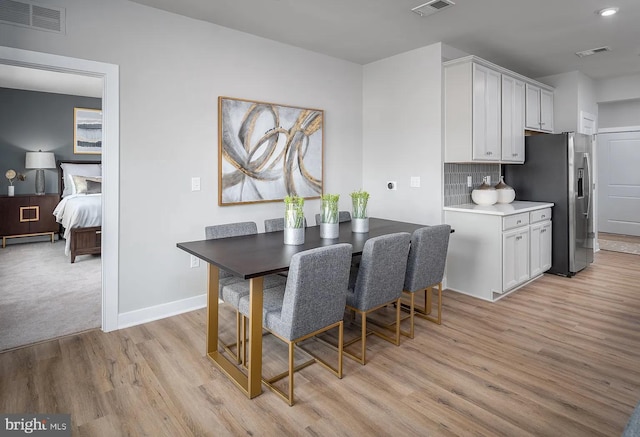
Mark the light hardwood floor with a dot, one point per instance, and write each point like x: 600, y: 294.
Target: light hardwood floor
x: 560, y: 357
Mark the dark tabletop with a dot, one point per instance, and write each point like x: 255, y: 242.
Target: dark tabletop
x: 261, y: 254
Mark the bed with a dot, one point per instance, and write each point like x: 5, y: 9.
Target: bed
x: 80, y: 210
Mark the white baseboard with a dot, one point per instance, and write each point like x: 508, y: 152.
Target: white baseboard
x: 145, y: 315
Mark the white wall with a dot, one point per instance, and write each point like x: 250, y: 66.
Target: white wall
x: 402, y: 135
x: 619, y: 114
x: 618, y: 88
x: 172, y: 69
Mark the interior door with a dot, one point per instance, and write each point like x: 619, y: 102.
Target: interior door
x: 619, y: 183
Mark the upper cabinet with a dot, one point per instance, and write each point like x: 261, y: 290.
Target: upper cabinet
x: 485, y: 110
x: 539, y: 114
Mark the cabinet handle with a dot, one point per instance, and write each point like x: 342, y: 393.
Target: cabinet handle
x: 518, y: 222
x: 36, y: 215
x: 489, y: 153
x: 519, y: 237
x: 514, y: 155
x: 543, y: 216
x: 543, y: 231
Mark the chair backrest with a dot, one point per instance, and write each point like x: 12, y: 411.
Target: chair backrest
x: 316, y: 290
x: 382, y: 269
x: 277, y: 224
x: 230, y: 230
x: 343, y: 216
x: 427, y: 257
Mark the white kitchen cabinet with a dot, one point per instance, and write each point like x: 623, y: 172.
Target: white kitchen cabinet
x: 539, y: 108
x: 513, y: 110
x: 492, y: 249
x: 515, y: 257
x: 540, y: 242
x: 484, y: 112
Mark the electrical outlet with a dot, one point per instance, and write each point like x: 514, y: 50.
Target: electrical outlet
x: 415, y: 182
x: 195, y: 261
x: 392, y: 185
x: 469, y: 181
x: 195, y: 184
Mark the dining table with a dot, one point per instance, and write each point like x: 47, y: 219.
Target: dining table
x: 252, y: 257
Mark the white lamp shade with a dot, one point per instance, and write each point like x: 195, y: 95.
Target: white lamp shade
x: 40, y: 160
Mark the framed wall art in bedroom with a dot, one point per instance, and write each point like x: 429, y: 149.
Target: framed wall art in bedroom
x: 267, y: 151
x: 87, y: 133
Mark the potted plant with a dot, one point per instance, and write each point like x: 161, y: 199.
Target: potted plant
x: 293, y: 220
x: 329, y: 226
x: 360, y: 218
x: 11, y: 175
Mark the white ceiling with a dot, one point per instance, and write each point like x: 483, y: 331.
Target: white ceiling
x: 532, y: 37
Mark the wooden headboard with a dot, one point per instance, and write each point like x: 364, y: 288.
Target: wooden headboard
x: 61, y: 171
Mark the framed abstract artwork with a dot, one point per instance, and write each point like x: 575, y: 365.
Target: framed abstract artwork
x: 267, y: 151
x: 87, y: 133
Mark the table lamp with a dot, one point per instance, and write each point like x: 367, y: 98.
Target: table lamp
x: 40, y: 160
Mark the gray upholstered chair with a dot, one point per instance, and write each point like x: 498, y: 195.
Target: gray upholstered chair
x: 343, y: 216
x: 378, y: 283
x: 312, y: 302
x: 425, y: 269
x: 277, y: 224
x: 232, y: 288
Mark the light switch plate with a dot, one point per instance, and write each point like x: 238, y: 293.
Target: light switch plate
x: 415, y: 182
x: 195, y: 184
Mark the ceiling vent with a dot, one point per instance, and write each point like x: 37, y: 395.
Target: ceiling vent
x: 590, y: 52
x: 32, y: 15
x: 432, y: 7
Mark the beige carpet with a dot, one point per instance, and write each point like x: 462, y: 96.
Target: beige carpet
x: 44, y: 296
x: 620, y: 244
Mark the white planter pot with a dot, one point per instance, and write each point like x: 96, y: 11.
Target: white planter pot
x: 11, y: 190
x: 360, y: 225
x: 329, y: 230
x: 294, y: 236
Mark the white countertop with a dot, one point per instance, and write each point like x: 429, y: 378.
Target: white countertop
x: 515, y: 207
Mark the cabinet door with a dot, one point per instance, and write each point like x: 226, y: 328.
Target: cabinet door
x: 513, y: 111
x: 540, y: 248
x: 532, y: 116
x: 12, y: 215
x: 515, y: 257
x: 486, y: 114
x: 546, y: 110
x: 46, y: 220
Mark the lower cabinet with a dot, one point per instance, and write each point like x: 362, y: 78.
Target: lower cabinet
x: 540, y: 248
x: 493, y: 254
x: 515, y: 257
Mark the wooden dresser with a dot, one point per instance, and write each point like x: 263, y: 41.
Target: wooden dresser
x: 28, y: 215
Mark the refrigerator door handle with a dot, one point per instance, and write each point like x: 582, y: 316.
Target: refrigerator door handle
x: 588, y: 183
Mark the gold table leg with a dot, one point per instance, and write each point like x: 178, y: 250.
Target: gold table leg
x: 250, y: 384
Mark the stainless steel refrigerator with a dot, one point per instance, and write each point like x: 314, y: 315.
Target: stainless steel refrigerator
x: 558, y: 168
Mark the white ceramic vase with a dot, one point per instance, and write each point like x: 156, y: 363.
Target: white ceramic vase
x: 11, y: 190
x: 506, y: 194
x: 485, y: 194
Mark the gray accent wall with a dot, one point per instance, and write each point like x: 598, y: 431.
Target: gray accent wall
x: 30, y: 121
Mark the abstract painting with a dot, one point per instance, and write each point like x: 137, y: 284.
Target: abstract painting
x: 87, y: 134
x: 267, y: 151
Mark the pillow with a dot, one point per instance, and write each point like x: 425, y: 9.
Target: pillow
x: 78, y: 170
x: 80, y: 183
x: 94, y: 187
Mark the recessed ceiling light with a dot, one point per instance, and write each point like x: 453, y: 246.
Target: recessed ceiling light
x: 607, y: 12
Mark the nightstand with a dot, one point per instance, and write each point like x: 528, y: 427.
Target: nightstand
x: 28, y: 215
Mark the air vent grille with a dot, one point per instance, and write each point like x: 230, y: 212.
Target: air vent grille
x: 32, y: 15
x: 590, y: 52
x: 432, y: 7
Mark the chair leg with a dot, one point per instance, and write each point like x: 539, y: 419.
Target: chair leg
x: 425, y: 312
x: 291, y: 356
x: 364, y: 338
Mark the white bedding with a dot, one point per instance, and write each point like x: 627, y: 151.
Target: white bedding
x: 78, y: 211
